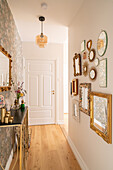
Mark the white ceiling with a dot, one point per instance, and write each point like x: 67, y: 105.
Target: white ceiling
x: 59, y: 14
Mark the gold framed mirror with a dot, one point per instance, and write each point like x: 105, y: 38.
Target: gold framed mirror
x: 5, y: 70
x: 89, y: 45
x: 75, y: 87
x: 93, y: 73
x: 91, y: 55
x: 84, y: 97
x: 85, y: 68
x: 101, y: 115
x: 77, y: 64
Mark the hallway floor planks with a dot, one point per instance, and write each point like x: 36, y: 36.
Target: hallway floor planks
x: 49, y: 150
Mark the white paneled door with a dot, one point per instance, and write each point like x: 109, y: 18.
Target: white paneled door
x: 40, y: 85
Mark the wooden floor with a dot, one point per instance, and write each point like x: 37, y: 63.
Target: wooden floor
x: 49, y: 150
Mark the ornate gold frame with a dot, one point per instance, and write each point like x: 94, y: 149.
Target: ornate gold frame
x: 89, y: 42
x: 85, y: 65
x: 77, y: 56
x: 88, y: 86
x: 94, y: 54
x: 93, y: 68
x: 6, y: 88
x: 75, y: 87
x: 107, y: 136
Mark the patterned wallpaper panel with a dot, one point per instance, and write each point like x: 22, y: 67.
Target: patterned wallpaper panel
x: 11, y: 42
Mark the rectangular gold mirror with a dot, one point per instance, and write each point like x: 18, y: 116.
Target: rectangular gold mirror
x: 77, y: 64
x: 101, y: 115
x: 75, y: 87
x: 5, y: 70
x: 84, y: 97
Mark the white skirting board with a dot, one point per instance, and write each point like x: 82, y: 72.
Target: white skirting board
x: 60, y: 122
x: 9, y: 161
x: 75, y: 151
x: 77, y: 155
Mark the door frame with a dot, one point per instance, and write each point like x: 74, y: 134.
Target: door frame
x: 58, y: 99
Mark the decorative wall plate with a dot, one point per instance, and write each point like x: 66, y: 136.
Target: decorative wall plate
x: 97, y: 62
x: 85, y: 68
x: 102, y: 43
x: 91, y: 55
x: 92, y: 73
x: 89, y: 45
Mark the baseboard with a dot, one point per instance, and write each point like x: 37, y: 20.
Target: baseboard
x: 47, y: 123
x: 60, y: 122
x: 9, y: 161
x: 77, y: 155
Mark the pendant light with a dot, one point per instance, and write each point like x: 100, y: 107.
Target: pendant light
x: 41, y: 40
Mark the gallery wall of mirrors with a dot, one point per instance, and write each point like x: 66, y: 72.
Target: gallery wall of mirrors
x: 91, y: 62
x: 5, y: 70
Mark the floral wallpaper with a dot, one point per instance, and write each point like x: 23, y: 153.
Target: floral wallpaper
x: 11, y: 42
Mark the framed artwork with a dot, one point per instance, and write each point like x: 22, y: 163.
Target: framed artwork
x: 103, y: 73
x: 77, y: 64
x: 89, y: 45
x: 102, y: 43
x: 92, y: 73
x: 75, y: 87
x: 84, y: 97
x: 91, y: 55
x: 75, y: 110
x: 85, y: 68
x: 83, y: 45
x: 101, y: 115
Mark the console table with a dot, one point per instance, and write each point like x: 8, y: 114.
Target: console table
x: 20, y: 123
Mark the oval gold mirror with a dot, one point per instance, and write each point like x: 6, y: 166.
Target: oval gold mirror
x: 89, y: 45
x: 91, y: 55
x: 5, y: 70
x: 92, y: 74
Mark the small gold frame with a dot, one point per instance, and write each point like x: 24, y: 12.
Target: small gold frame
x: 94, y: 54
x: 102, y: 129
x: 77, y: 60
x: 89, y: 45
x: 6, y: 88
x: 75, y: 87
x: 95, y: 72
x: 85, y: 68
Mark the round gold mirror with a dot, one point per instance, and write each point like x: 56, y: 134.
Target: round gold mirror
x: 92, y: 74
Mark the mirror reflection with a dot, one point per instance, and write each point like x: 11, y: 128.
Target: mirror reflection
x: 4, y: 70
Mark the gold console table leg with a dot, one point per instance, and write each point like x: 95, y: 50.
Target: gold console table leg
x: 20, y: 164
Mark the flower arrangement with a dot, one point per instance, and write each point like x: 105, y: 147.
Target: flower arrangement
x: 18, y: 90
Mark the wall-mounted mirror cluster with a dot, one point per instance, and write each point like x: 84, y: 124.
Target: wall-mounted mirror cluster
x: 96, y: 105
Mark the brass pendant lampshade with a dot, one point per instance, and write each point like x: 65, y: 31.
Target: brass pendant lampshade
x: 41, y: 40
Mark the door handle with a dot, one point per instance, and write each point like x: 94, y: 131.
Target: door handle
x: 52, y: 91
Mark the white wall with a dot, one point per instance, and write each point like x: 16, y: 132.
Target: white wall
x: 53, y: 52
x: 65, y: 78
x: 92, y: 17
